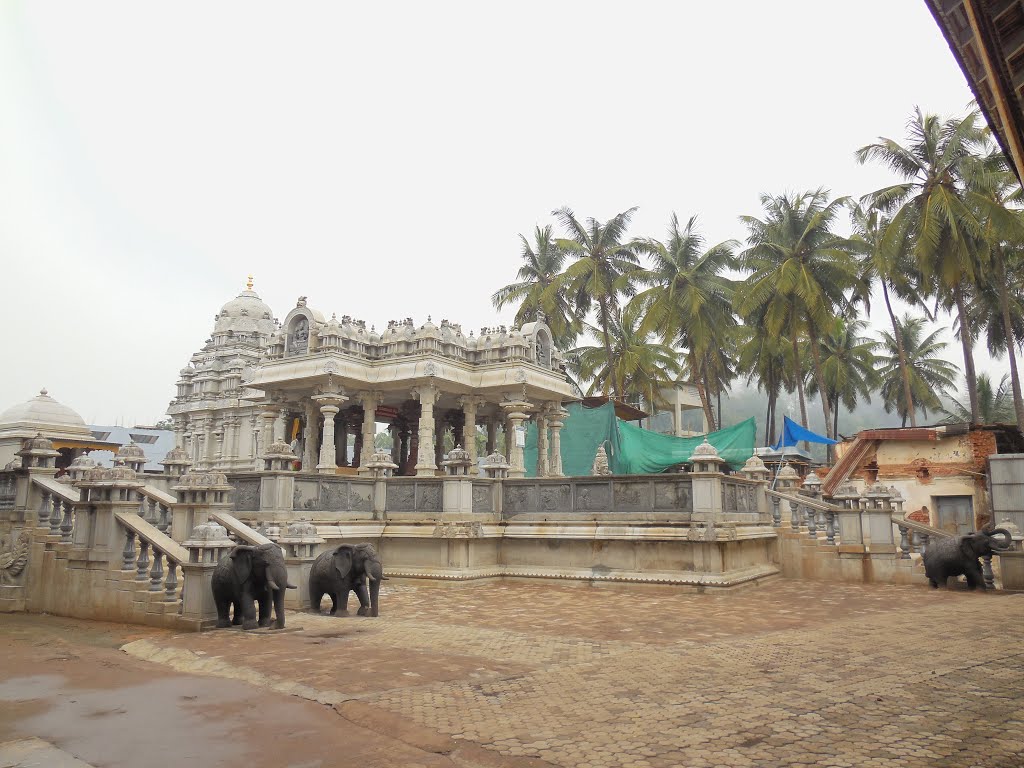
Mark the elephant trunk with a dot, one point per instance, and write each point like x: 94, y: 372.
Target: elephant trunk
x: 1007, y: 538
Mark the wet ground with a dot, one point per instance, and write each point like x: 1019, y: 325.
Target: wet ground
x: 521, y: 673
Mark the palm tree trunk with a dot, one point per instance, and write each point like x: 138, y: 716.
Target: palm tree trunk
x: 773, y: 401
x: 610, y: 380
x: 767, y: 419
x: 966, y: 342
x: 823, y: 394
x: 1011, y: 342
x: 897, y: 333
x: 798, y: 381
x: 705, y: 402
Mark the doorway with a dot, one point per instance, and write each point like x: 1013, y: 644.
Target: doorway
x: 955, y: 514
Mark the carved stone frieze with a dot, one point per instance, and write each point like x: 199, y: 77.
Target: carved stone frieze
x: 247, y: 495
x: 401, y: 498
x: 482, y: 498
x: 632, y: 496
x: 729, y: 498
x: 13, y: 558
x: 360, y: 497
x: 458, y: 530
x: 518, y: 498
x: 555, y: 498
x: 674, y: 497
x: 428, y: 497
x: 334, y: 496
x: 593, y: 498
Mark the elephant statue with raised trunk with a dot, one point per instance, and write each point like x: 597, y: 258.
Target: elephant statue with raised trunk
x: 347, y: 568
x: 246, y: 575
x: 959, y: 556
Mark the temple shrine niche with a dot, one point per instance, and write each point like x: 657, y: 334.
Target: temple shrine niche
x: 322, y: 386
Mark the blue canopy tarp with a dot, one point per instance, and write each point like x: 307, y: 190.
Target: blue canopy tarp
x: 793, y: 433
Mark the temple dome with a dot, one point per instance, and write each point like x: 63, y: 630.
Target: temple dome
x: 42, y: 410
x: 246, y: 313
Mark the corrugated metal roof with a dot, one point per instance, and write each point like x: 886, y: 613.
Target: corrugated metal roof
x: 155, y: 443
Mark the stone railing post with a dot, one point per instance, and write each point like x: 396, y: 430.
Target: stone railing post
x: 706, y: 482
x: 208, y: 543
x: 904, y: 542
x: 848, y: 520
x: 876, y: 511
x: 198, y: 494
x: 300, y: 542
x: 104, y: 491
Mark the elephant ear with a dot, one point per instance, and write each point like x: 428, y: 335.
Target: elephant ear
x: 971, y: 546
x: 343, y: 561
x: 241, y: 561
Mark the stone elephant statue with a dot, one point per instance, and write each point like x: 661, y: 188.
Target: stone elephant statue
x: 249, y: 574
x: 347, y: 568
x: 959, y: 555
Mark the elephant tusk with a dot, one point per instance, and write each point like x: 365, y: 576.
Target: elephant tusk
x: 290, y: 586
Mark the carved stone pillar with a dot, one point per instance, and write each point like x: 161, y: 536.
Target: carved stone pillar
x: 439, y: 442
x: 370, y: 399
x: 328, y: 408
x: 556, y: 423
x: 309, y: 451
x: 469, y: 405
x: 403, y: 448
x: 492, y: 434
x: 269, y: 415
x: 425, y: 466
x: 342, y: 424
x: 542, y: 445
x: 396, y: 442
x: 517, y: 412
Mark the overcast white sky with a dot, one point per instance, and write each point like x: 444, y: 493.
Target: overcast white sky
x: 380, y: 158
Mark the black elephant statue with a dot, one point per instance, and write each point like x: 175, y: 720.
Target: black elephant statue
x: 959, y: 555
x: 347, y: 568
x: 249, y: 574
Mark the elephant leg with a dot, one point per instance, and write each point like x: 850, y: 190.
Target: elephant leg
x: 343, y: 599
x: 264, y: 602
x: 248, y: 610
x: 236, y: 612
x: 315, y: 598
x: 934, y: 583
x: 278, y: 597
x: 223, y: 609
x: 334, y: 602
x: 975, y: 579
x: 364, y: 599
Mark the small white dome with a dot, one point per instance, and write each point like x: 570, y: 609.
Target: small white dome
x: 246, y: 313
x: 42, y: 410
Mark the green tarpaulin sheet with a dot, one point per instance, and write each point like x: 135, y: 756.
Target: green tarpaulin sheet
x: 632, y: 450
x: 643, y: 452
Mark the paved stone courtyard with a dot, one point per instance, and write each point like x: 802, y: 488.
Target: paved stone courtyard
x: 521, y: 673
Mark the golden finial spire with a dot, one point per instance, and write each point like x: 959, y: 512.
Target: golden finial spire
x: 248, y: 285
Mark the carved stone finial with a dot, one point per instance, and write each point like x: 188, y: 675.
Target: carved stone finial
x: 248, y: 285
x: 601, y: 466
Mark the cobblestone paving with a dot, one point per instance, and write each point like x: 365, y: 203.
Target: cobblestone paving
x: 786, y: 674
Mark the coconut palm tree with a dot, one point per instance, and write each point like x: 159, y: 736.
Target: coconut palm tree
x: 848, y: 366
x: 931, y: 376
x: 688, y: 303
x: 641, y: 367
x: 885, y: 261
x: 995, y: 195
x: 603, y: 269
x: 930, y: 201
x: 765, y: 359
x: 537, y: 289
x: 801, y: 272
x: 995, y: 405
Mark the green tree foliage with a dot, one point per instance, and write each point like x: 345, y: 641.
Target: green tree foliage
x: 688, y: 303
x: 995, y: 404
x: 931, y: 376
